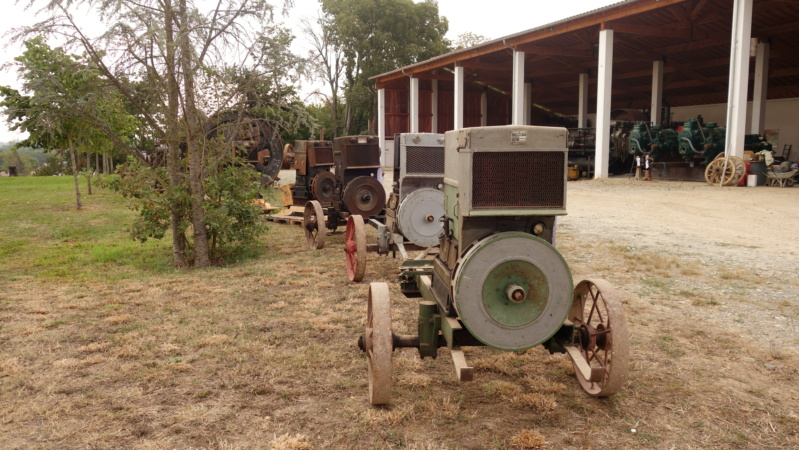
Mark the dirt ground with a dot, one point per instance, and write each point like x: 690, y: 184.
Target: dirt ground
x: 263, y: 355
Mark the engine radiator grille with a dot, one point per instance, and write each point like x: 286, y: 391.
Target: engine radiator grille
x: 360, y: 155
x: 320, y: 156
x: 518, y: 180
x: 424, y: 160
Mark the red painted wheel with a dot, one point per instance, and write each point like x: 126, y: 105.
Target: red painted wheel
x: 355, y: 248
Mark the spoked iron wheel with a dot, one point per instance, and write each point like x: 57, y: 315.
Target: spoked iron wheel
x: 355, y: 248
x: 378, y: 343
x: 313, y: 222
x: 602, y: 337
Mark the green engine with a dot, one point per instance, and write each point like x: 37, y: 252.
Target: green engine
x: 655, y: 141
x: 697, y: 141
x: 498, y: 270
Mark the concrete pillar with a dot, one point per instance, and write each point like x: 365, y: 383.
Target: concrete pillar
x: 760, y: 89
x: 413, y: 125
x: 582, y: 102
x: 381, y: 123
x: 528, y: 103
x: 483, y: 109
x: 517, y: 97
x: 459, y: 99
x: 657, y: 93
x: 739, y: 77
x: 603, y: 91
x: 434, y: 108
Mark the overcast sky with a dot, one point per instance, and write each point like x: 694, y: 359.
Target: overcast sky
x: 492, y: 19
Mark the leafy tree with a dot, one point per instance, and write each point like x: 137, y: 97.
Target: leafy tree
x: 327, y: 62
x: 378, y: 36
x: 64, y: 94
x: 468, y: 39
x: 176, y: 63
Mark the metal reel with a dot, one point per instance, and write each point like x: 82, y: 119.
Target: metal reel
x: 419, y: 214
x: 322, y: 186
x: 313, y: 223
x: 378, y: 343
x: 512, y: 290
x: 355, y: 248
x: 602, y: 337
x: 364, y: 196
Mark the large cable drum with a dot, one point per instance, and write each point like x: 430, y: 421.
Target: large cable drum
x: 364, y: 196
x: 419, y: 216
x: 512, y: 290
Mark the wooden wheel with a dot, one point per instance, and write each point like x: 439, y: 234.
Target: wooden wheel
x: 379, y: 343
x: 716, y: 168
x: 313, y: 222
x: 355, y: 248
x: 602, y: 338
x: 739, y: 171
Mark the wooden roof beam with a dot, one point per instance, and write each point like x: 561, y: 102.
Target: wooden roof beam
x: 667, y: 30
x: 535, y: 49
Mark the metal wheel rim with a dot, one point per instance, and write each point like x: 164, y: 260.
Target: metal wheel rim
x: 378, y: 343
x: 355, y: 248
x: 356, y: 188
x: 604, y: 338
x: 322, y: 186
x: 313, y: 223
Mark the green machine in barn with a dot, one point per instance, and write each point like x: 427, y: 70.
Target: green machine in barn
x: 697, y: 141
x: 654, y: 141
x: 498, y: 280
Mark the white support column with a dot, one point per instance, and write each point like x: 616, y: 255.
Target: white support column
x: 413, y: 126
x: 517, y: 97
x: 459, y: 96
x: 582, y: 102
x: 603, y: 91
x: 656, y: 115
x: 381, y: 124
x: 739, y: 77
x: 761, y: 88
x: 528, y: 103
x: 434, y: 108
x: 483, y: 109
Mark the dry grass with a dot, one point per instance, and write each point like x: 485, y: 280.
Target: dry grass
x: 263, y: 355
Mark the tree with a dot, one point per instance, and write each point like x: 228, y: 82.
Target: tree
x: 378, y: 36
x: 327, y: 59
x: 65, y: 93
x: 468, y: 39
x: 174, y: 64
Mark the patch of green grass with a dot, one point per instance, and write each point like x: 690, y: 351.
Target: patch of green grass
x: 669, y: 345
x: 47, y: 238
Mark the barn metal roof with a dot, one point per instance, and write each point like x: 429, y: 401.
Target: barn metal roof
x: 691, y: 36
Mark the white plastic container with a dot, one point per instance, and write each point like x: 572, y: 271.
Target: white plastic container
x: 751, y: 180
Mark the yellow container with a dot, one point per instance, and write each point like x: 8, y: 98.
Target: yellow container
x: 574, y: 172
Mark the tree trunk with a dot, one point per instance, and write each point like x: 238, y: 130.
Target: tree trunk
x: 88, y: 174
x: 193, y: 138
x: 74, y: 164
x: 173, y: 147
x: 347, y: 120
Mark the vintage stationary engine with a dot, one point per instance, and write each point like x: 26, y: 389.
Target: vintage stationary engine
x: 249, y: 137
x: 415, y: 205
x: 356, y: 190
x: 697, y: 141
x: 314, y: 180
x: 654, y: 141
x: 498, y: 279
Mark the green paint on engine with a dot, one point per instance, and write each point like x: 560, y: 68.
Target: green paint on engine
x: 518, y: 273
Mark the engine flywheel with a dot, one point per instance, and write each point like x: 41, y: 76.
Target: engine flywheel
x: 364, y: 196
x: 322, y: 187
x: 512, y: 290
